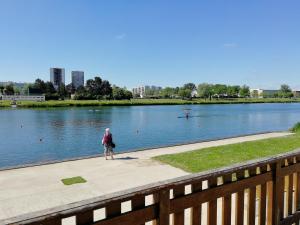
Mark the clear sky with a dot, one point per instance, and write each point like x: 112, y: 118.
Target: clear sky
x: 159, y: 42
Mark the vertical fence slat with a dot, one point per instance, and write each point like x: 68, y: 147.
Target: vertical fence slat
x: 178, y: 218
x: 196, y: 211
x: 227, y: 202
x: 164, y: 207
x: 240, y: 202
x: 251, y: 202
x: 263, y: 195
x: 85, y: 218
x: 290, y: 194
x: 212, y: 205
x: 138, y: 203
x: 278, y: 186
x: 227, y: 210
x: 113, y: 209
x: 156, y: 199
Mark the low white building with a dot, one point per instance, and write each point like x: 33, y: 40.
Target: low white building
x: 262, y: 93
x: 36, y: 98
x: 142, y: 90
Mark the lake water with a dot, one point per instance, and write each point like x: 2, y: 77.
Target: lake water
x: 39, y: 135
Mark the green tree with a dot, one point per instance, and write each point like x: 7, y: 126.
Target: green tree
x: 233, y: 91
x: 285, y: 91
x: 2, y: 89
x: 40, y: 84
x: 244, y: 91
x: 120, y: 93
x: 61, y: 91
x: 9, y: 90
x: 220, y: 90
x: 167, y: 92
x: 190, y: 86
x: 205, y: 90
x: 185, y: 93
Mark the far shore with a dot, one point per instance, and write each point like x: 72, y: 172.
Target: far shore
x: 141, y: 102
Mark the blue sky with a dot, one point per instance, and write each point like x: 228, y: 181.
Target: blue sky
x: 160, y: 42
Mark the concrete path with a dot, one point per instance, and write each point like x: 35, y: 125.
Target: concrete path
x: 37, y: 188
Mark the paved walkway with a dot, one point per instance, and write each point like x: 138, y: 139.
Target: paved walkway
x: 36, y: 188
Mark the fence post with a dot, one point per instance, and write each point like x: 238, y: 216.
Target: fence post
x: 277, y: 208
x: 164, y: 207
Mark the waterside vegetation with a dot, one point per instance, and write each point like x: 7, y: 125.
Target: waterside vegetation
x: 136, y: 102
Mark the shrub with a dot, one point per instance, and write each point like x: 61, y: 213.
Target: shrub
x: 296, y: 128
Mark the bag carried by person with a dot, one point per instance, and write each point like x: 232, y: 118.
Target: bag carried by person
x: 113, y: 145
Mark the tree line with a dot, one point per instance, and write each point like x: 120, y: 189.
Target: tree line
x: 209, y: 91
x: 94, y: 89
x: 98, y: 89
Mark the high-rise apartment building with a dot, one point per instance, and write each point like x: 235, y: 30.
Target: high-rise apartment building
x: 77, y: 79
x: 57, y: 76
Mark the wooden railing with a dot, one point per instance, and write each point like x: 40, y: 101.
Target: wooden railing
x: 266, y: 191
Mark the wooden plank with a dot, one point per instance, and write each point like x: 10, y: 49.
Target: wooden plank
x: 155, y: 199
x: 240, y: 195
x: 252, y: 199
x: 269, y: 203
x: 227, y: 210
x: 240, y: 207
x: 178, y: 217
x: 212, y: 204
x: 113, y: 209
x: 137, y: 203
x: 196, y: 210
x: 85, y: 218
x: 226, y: 202
x: 133, y: 218
x: 207, y: 195
x: 263, y: 197
x: 278, y: 185
x: 290, y: 194
x: 251, y: 203
x: 164, y: 207
x: 44, y: 222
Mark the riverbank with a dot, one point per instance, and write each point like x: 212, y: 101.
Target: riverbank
x: 36, y: 188
x: 136, y: 102
x: 221, y: 156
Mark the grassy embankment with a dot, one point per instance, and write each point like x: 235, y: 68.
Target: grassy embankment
x: 67, y: 103
x: 226, y: 155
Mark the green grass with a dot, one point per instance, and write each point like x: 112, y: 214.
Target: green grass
x: 77, y: 103
x: 73, y: 180
x: 215, y: 157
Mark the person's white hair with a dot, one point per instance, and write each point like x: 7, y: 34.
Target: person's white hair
x: 107, y: 130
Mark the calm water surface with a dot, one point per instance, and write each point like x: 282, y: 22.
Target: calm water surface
x: 39, y: 135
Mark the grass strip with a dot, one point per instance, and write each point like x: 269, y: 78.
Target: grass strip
x: 132, y: 102
x: 226, y: 155
x: 73, y: 180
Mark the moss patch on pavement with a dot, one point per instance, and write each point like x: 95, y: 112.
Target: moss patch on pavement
x: 73, y: 180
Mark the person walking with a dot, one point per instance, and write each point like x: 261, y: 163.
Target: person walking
x: 108, y: 144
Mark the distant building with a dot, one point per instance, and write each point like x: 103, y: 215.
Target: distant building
x: 57, y: 77
x: 296, y: 94
x: 37, y: 98
x: 146, y: 90
x: 262, y: 93
x: 77, y: 79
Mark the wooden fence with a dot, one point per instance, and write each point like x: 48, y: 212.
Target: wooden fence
x: 265, y: 191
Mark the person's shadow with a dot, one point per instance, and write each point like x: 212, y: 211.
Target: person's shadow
x: 126, y: 158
